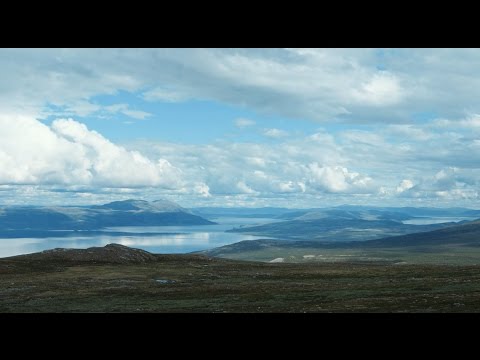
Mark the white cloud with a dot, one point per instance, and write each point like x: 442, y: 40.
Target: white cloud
x: 137, y: 114
x: 162, y: 94
x: 471, y: 122
x: 263, y: 170
x: 458, y: 194
x: 242, y: 123
x: 409, y: 132
x: 338, y: 179
x: 382, y: 89
x: 68, y: 153
x: 125, y: 109
x: 68, y: 158
x: 448, y: 184
x: 116, y: 108
x: 33, y: 78
x: 291, y: 187
x: 344, y: 167
x: 203, y: 190
x: 275, y: 133
x: 357, y: 85
x: 404, y: 185
x: 399, y: 157
x: 82, y: 108
x: 244, y: 188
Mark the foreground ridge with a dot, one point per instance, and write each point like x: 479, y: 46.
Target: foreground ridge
x: 111, y: 253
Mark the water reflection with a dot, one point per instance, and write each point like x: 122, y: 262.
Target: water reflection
x: 173, y: 239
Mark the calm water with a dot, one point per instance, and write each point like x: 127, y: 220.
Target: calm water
x: 436, y: 220
x: 174, y: 239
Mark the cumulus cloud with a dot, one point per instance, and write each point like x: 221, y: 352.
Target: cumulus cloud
x: 68, y: 153
x: 296, y: 166
x: 338, y: 179
x: 68, y: 158
x: 203, y: 190
x: 404, y: 185
x: 449, y: 183
x: 345, y: 166
x: 387, y: 151
x: 243, y: 188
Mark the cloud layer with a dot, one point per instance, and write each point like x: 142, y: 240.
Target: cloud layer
x: 353, y: 85
x: 435, y: 163
x: 412, y: 133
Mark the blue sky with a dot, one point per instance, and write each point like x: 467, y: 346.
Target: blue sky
x: 240, y: 127
x: 190, y: 121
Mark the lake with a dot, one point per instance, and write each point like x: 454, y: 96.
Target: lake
x: 173, y: 239
x: 163, y: 239
x: 436, y: 220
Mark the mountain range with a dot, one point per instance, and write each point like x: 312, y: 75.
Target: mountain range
x: 336, y: 224
x: 118, y: 213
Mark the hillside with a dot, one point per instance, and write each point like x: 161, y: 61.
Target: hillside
x: 339, y: 225
x: 465, y: 234
x: 71, y: 281
x: 454, y: 245
x: 118, y: 213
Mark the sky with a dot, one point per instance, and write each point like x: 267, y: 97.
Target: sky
x: 295, y: 128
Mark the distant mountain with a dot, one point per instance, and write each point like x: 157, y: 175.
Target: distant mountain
x: 265, y: 212
x: 472, y: 213
x: 338, y: 214
x: 397, y: 213
x: 339, y: 225
x: 118, y: 213
x: 142, y: 205
x: 358, y: 211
